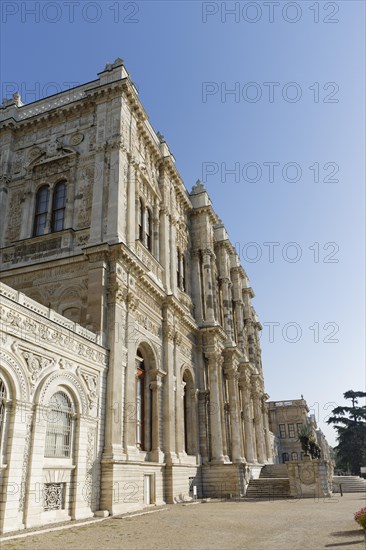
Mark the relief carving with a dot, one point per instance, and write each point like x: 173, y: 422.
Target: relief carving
x: 14, y: 215
x: 36, y: 364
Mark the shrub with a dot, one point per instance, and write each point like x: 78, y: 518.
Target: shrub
x: 360, y: 517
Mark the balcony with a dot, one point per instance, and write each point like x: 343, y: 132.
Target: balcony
x: 149, y: 261
x: 43, y: 247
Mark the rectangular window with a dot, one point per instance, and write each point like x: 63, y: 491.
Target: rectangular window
x: 291, y: 430
x: 299, y: 426
x: 293, y: 456
x: 284, y: 457
x: 282, y: 431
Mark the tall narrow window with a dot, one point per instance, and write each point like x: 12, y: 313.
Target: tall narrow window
x: 291, y: 430
x: 186, y: 419
x: 285, y: 457
x: 294, y: 456
x: 178, y: 268
x: 59, y: 427
x: 140, y: 401
x: 282, y: 431
x: 188, y: 414
x: 58, y: 207
x: 148, y: 230
x: 40, y: 217
x: 183, y: 273
x: 140, y: 220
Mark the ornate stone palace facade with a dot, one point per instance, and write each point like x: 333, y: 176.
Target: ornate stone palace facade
x: 130, y: 364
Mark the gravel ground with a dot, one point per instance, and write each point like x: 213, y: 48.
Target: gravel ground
x: 253, y: 525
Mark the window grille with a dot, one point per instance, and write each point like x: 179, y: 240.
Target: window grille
x: 59, y: 427
x: 53, y: 496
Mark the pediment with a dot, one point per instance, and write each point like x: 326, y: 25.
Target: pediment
x: 55, y: 150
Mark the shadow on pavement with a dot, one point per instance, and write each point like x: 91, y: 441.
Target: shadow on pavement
x: 350, y: 533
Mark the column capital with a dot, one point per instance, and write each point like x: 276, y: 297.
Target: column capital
x: 215, y: 358
x: 231, y: 373
x: 155, y: 385
x: 208, y: 252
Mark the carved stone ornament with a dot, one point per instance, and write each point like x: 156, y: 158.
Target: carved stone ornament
x: 36, y: 364
x: 92, y: 384
x: 76, y: 138
x: 34, y: 153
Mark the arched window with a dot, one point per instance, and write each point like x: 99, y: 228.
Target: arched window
x: 294, y: 456
x: 58, y: 207
x: 60, y: 420
x: 148, y: 230
x: 189, y: 414
x: 140, y: 220
x: 140, y: 401
x: 40, y: 218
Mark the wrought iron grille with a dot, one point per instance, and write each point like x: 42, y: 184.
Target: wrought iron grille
x: 53, y: 496
x: 59, y: 427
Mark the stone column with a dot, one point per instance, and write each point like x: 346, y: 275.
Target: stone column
x: 227, y: 303
x: 114, y: 424
x: 155, y: 454
x: 203, y: 425
x: 165, y: 248
x: 180, y: 418
x: 214, y: 364
x: 131, y: 206
x: 249, y: 442
x: 240, y: 324
x: 266, y: 428
x: 70, y: 193
x: 234, y: 415
x: 258, y: 422
x: 169, y: 390
x: 4, y: 193
x: 197, y: 285
x: 14, y: 477
x: 155, y: 224
x: 223, y: 405
x: 96, y: 225
x: 173, y: 257
x: 208, y: 286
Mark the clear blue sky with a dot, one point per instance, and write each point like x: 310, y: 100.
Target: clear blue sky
x: 172, y: 51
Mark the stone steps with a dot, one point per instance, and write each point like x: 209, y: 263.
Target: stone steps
x: 350, y: 484
x: 274, y: 471
x: 268, y: 488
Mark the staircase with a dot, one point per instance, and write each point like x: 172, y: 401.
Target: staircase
x: 350, y: 484
x: 272, y: 483
x: 278, y: 471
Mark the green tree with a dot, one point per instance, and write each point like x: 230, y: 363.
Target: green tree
x: 350, y: 423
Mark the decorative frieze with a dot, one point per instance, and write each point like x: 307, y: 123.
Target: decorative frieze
x: 18, y: 324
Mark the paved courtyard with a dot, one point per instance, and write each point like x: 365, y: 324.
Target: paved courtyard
x: 252, y: 525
